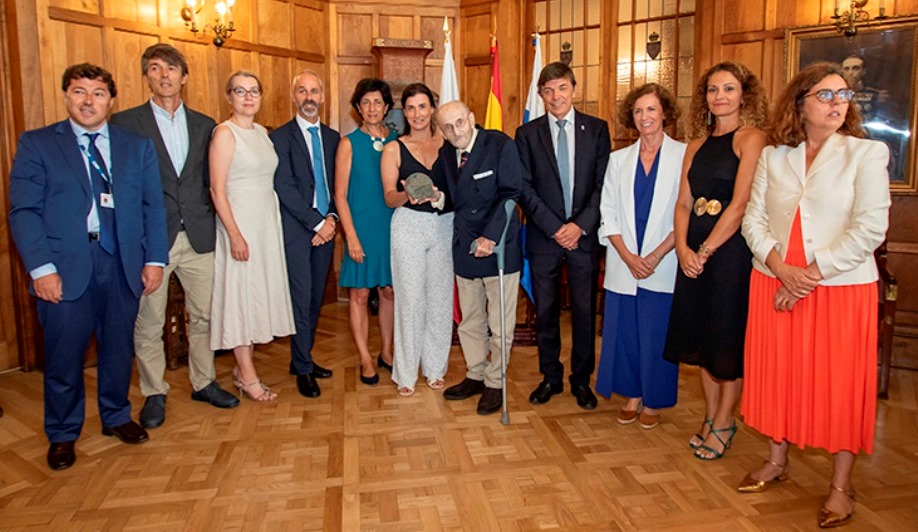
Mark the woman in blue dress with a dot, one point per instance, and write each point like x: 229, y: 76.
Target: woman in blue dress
x: 638, y: 198
x: 365, y: 220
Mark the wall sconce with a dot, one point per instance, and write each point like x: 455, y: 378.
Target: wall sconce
x: 654, y: 46
x: 223, y: 19
x: 846, y: 23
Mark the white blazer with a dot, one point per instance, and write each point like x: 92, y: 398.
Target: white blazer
x: 843, y: 200
x: 616, y: 209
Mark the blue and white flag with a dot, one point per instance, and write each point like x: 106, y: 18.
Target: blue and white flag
x: 534, y: 106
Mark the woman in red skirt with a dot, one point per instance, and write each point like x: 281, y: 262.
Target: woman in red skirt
x: 819, y: 207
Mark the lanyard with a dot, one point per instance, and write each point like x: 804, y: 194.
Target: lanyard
x: 95, y: 164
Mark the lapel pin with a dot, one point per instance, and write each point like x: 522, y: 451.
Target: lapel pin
x: 582, y: 127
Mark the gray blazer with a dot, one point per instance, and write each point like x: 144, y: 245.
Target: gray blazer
x: 187, y: 196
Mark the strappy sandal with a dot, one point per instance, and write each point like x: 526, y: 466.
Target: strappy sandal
x: 265, y: 395
x: 828, y: 519
x: 436, y: 384
x: 404, y: 391
x: 717, y: 455
x: 754, y: 485
x: 698, y: 436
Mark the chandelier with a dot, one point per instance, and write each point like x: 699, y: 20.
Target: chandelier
x: 222, y: 25
x: 847, y: 23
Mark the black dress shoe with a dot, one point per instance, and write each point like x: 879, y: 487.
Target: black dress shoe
x: 61, y: 455
x: 130, y: 432
x: 585, y: 397
x: 543, y: 393
x: 213, y: 394
x: 307, y: 386
x: 382, y: 363
x: 153, y: 413
x: 465, y: 389
x: 490, y: 402
x: 318, y: 372
x: 370, y: 381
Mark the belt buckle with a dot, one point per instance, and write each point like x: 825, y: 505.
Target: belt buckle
x: 714, y: 207
x: 701, y: 205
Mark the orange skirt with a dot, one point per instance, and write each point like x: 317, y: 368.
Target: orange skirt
x: 811, y: 374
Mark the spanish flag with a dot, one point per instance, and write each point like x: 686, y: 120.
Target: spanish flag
x: 493, y: 118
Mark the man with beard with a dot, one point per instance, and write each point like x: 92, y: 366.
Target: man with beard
x: 181, y: 137
x: 303, y: 181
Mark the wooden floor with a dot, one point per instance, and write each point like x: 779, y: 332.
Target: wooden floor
x: 361, y: 458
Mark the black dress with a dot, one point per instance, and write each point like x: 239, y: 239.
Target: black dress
x: 707, y: 326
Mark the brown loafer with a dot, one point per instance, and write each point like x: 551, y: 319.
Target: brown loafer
x: 61, y: 455
x: 627, y: 417
x: 130, y: 432
x: 648, y: 421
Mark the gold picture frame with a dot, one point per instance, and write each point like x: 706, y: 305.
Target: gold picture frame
x: 881, y: 65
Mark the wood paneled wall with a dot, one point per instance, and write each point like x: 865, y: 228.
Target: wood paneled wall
x: 752, y: 31
x: 352, y: 27
x: 274, y: 38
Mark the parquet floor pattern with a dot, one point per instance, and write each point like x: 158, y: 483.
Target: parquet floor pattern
x: 362, y: 458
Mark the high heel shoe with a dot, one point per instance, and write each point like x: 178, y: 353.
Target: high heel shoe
x: 717, y: 455
x: 370, y: 381
x: 829, y: 519
x: 700, y: 438
x: 265, y: 395
x: 754, y: 485
x: 383, y: 364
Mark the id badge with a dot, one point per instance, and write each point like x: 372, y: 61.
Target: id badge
x: 107, y: 200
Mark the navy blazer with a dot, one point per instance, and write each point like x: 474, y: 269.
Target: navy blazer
x: 295, y: 182
x: 491, y: 176
x: 50, y: 199
x: 542, y: 199
x: 186, y: 196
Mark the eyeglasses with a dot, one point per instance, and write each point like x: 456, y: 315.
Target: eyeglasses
x: 827, y: 95
x: 241, y: 92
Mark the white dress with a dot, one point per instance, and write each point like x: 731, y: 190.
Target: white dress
x: 251, y: 299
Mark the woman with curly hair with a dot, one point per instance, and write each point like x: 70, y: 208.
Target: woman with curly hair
x: 707, y: 323
x: 638, y: 196
x: 818, y: 209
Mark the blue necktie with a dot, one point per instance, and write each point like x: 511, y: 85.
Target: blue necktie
x: 101, y: 182
x: 564, y: 167
x: 318, y: 170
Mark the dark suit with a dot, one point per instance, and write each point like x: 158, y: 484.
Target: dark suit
x: 491, y: 176
x: 50, y: 197
x: 479, y: 192
x: 307, y: 265
x: 188, y: 209
x: 186, y: 196
x: 543, y: 203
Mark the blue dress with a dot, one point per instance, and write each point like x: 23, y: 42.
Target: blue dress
x: 634, y: 327
x: 370, y: 215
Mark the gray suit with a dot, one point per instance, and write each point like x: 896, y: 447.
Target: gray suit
x: 190, y: 224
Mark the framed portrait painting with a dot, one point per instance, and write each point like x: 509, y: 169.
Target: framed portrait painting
x: 880, y: 65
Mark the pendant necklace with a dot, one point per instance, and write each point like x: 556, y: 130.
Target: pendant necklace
x: 377, y: 141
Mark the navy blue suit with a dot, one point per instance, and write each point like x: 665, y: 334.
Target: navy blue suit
x: 491, y: 176
x: 543, y: 203
x: 307, y: 265
x: 50, y: 199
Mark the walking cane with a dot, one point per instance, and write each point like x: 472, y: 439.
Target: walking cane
x: 510, y: 208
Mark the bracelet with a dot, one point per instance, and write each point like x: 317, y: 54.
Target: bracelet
x: 704, y: 250
x: 656, y: 255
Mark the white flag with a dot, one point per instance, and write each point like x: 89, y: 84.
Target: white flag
x: 534, y: 106
x: 449, y: 83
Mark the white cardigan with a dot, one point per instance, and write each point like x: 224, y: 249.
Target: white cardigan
x: 617, y: 211
x: 843, y: 200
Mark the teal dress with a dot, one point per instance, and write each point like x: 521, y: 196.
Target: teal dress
x: 370, y: 214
